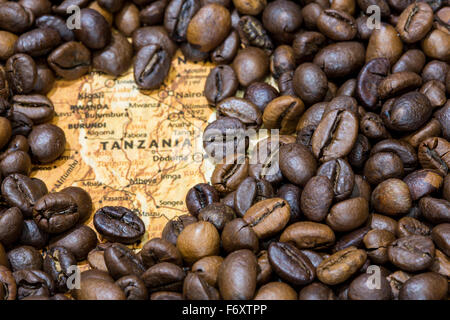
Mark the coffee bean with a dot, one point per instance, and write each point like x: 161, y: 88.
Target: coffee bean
x: 310, y: 83
x: 21, y: 73
x: 295, y: 155
x: 316, y: 291
x: 337, y: 25
x: 282, y: 19
x: 174, y: 227
x: 316, y: 198
x: 119, y: 224
x: 308, y: 235
x: 36, y: 107
x: 250, y: 65
x: 408, y: 226
x: 122, y: 261
x: 133, y: 287
x: 70, y: 60
x: 424, y: 286
x: 7, y: 42
x: 221, y: 83
x: 282, y: 60
x: 83, y: 201
x: 411, y: 253
x: 11, y: 224
x: 15, y: 18
x: 33, y: 283
x: 348, y: 214
x: 248, y: 113
x: 340, y: 59
x: 227, y: 177
x: 57, y: 264
x: 164, y: 276
x: 360, y: 289
x: 435, y: 210
x: 115, y: 58
x: 226, y: 51
x: 151, y: 66
x: 291, y: 194
x: 177, y: 17
x: 283, y: 113
x: 434, y: 153
x: 276, y: 291
x: 415, y: 22
x: 78, y: 240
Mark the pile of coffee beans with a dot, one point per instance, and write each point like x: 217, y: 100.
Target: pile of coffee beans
x: 350, y: 201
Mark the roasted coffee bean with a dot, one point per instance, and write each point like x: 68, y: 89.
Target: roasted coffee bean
x: 415, y: 22
x: 354, y: 238
x: 209, y: 27
x: 159, y: 250
x: 441, y: 237
x: 78, y: 240
x: 250, y: 65
x: 56, y: 212
x: 24, y: 258
x: 376, y: 242
x: 122, y: 261
x: 151, y: 66
x: 268, y: 217
x: 57, y: 264
x: 237, y: 276
x: 409, y: 226
x: 70, y: 60
x: 15, y: 162
x: 7, y: 44
x: 291, y: 194
x: 316, y: 198
x: 133, y: 287
x: 283, y: 113
x: 260, y: 94
x: 341, y: 265
x: 15, y: 18
x: 424, y: 286
x: 308, y: 235
x: 276, y: 291
x: 384, y: 43
x: 4, y: 89
x: 157, y: 35
x: 412, y: 60
x: 174, y: 227
x: 200, y: 196
x: 221, y: 83
x: 33, y: 283
x: 310, y: 83
x: 434, y: 153
x: 21, y: 73
x: 423, y: 182
x: 341, y: 176
x: 335, y: 135
x: 372, y: 126
x: 192, y: 52
x: 316, y: 291
x: 435, y: 92
x: 33, y: 236
x: 337, y: 25
x: 311, y: 13
x: 282, y: 19
x: 43, y: 136
x: 36, y: 107
x: 217, y: 213
x: 56, y: 23
x: 99, y: 289
x: 94, y: 31
x: 340, y: 59
x: 435, y: 70
x: 292, y: 156
x: 248, y: 113
x: 115, y: 58
x: 405, y: 151
x: 83, y: 201
x: 38, y: 42
x: 436, y: 45
x: 348, y: 215
x: 392, y: 197
x: 290, y: 264
x: 96, y: 259
x: 435, y: 210
x: 119, y: 224
x: 226, y: 52
x: 8, y: 284
x: 198, y: 240
x: 153, y: 14
x: 282, y: 60
x: 164, y: 276
x: 177, y: 17
x: 45, y: 79
x: 227, y: 177
x: 127, y: 19
x: 208, y: 269
x: 237, y: 235
x: 361, y: 188
x: 412, y: 253
x: 285, y: 84
x: 397, y: 83
x: 196, y: 288
x: 11, y: 224
x: 382, y: 166
x: 20, y: 191
x: 249, y: 192
x: 361, y: 289
x: 369, y: 78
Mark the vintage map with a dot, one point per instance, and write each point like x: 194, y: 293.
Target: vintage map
x: 137, y: 149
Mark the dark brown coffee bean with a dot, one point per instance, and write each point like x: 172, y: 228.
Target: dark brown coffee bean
x: 249, y: 192
x: 362, y: 289
x: 441, y: 237
x: 153, y: 14
x: 434, y: 153
x: 21, y: 73
x: 335, y: 135
x: 260, y: 94
x: 376, y: 242
x: 310, y: 83
x: 291, y: 194
x: 58, y: 262
x: 292, y: 156
x: 282, y: 19
x: 83, y: 201
x: 70, y: 60
x: 79, y: 240
x: 159, y: 250
x: 412, y: 61
x: 133, y: 287
x: 33, y: 236
x: 384, y: 43
x: 56, y: 212
x: 8, y: 284
x: 276, y: 291
x: 424, y: 286
x: 248, y: 113
x: 151, y: 66
x: 340, y: 59
x: 226, y: 51
x: 127, y: 19
x: 435, y: 70
x: 348, y: 214
x: 157, y: 35
x: 337, y: 25
x: 238, y: 235
x: 11, y: 224
x: 382, y: 166
x: 250, y: 65
x: 317, y: 197
x: 164, y: 276
x: 115, y: 58
x: 316, y: 291
x: 15, y: 162
x: 282, y: 60
x: 15, y: 18
x: 33, y: 283
x: 237, y: 275
x: 200, y: 196
x: 372, y: 126
x: 208, y: 269
x: 177, y: 17
x: 308, y: 235
x: 415, y: 22
x: 94, y: 32
x: 412, y: 253
x: 122, y: 261
x: 409, y: 226
x: 423, y: 182
x: 283, y: 113
x: 341, y: 176
x: 290, y: 264
x: 43, y: 136
x: 392, y: 197
x: 220, y: 84
x: 38, y: 42
x: 99, y: 289
x: 435, y: 210
x: 196, y: 288
x: 7, y: 44
x: 369, y: 78
x: 341, y: 265
x: 227, y: 177
x: 24, y: 258
x: 36, y: 107
x: 354, y: 238
x: 435, y: 92
x: 217, y: 213
x: 397, y: 83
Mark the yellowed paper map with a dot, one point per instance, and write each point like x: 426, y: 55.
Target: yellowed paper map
x: 132, y: 148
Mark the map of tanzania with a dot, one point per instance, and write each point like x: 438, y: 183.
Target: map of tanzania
x: 132, y: 148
